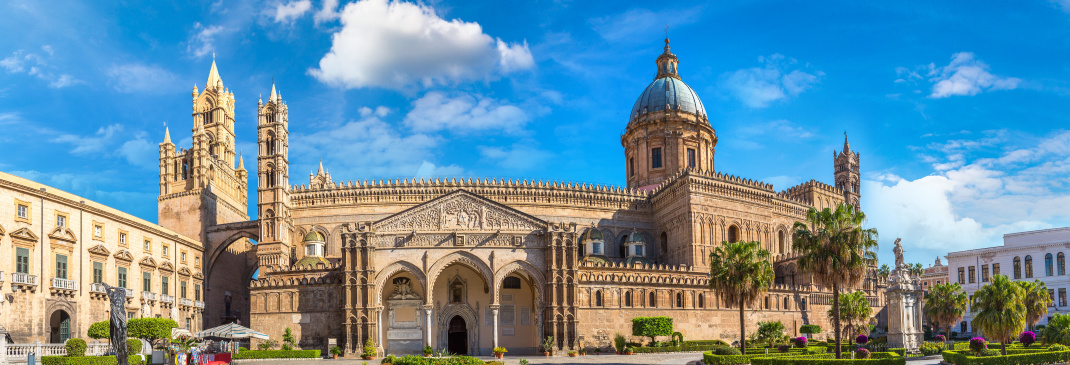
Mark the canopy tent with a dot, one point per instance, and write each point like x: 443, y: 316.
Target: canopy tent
x: 231, y: 331
x: 179, y: 332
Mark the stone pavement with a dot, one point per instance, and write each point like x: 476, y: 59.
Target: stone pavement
x: 691, y: 358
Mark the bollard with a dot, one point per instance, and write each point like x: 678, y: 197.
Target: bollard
x: 31, y: 358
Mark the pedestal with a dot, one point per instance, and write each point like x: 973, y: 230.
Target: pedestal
x: 905, y: 308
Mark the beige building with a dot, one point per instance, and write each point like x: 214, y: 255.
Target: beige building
x: 56, y: 248
x: 935, y: 274
x: 470, y: 264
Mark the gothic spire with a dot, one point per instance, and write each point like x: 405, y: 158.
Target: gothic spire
x: 166, y: 135
x: 846, y: 145
x: 213, y: 75
x: 241, y: 163
x: 273, y: 96
x: 320, y: 172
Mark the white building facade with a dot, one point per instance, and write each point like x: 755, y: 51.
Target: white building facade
x: 1032, y: 255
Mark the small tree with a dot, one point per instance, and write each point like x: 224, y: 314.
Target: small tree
x: 1057, y: 331
x: 809, y: 329
x: 651, y: 327
x: 100, y: 330
x: 288, y: 339
x: 769, y: 332
x: 76, y: 347
x: 155, y: 330
x: 266, y: 345
x: 133, y: 346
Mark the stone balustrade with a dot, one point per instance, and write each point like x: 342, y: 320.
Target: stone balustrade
x: 24, y: 279
x: 167, y: 299
x: 16, y: 353
x: 97, y: 288
x: 60, y: 283
x: 148, y: 295
x: 198, y: 304
x: 185, y: 302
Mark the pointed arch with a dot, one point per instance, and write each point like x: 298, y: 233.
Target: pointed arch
x: 393, y: 269
x: 466, y: 259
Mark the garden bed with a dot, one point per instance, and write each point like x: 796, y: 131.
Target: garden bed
x: 965, y: 358
x: 87, y: 360
x: 277, y: 354
x: 877, y: 358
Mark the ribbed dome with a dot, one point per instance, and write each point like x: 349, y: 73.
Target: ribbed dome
x: 668, y: 93
x: 313, y: 236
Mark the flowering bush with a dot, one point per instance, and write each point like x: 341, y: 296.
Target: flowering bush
x: 784, y: 348
x: 1027, y: 338
x: 862, y: 339
x: 978, y: 344
x: 801, y: 341
x: 861, y: 353
x: 941, y: 338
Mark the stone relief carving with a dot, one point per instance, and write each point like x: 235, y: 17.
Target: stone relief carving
x: 403, y: 289
x: 433, y: 240
x: 459, y: 211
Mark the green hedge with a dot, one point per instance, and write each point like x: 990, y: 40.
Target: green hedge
x: 962, y: 358
x: 456, y: 360
x: 277, y: 354
x: 710, y: 359
x: 87, y: 360
x: 684, y: 348
x: 898, y: 350
x: 876, y: 358
x: 706, y: 342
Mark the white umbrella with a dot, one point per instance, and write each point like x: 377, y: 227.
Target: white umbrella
x: 231, y: 331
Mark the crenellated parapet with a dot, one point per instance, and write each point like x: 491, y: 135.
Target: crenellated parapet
x: 815, y: 193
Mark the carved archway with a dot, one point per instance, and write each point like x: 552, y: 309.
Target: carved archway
x: 467, y: 259
x: 394, y: 269
x: 467, y: 313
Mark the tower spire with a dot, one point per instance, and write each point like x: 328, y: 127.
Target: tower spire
x: 846, y: 145
x: 320, y: 172
x: 213, y: 75
x: 667, y: 63
x: 273, y: 95
x: 241, y: 162
x: 166, y: 135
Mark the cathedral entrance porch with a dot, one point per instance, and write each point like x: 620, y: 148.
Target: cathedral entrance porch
x: 458, y: 336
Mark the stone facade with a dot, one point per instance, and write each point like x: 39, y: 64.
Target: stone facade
x: 470, y: 264
x: 933, y: 275
x: 55, y: 249
x: 1032, y: 255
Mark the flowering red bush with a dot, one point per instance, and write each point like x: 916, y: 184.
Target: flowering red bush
x: 1027, y: 338
x: 862, y: 339
x: 801, y: 341
x: 861, y: 353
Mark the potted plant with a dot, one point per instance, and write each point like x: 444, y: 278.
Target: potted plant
x: 369, y: 350
x: 548, y: 346
x: 499, y: 352
x: 619, y: 343
x: 572, y: 353
x: 628, y: 350
x: 597, y: 351
x: 428, y: 351
x: 335, y: 351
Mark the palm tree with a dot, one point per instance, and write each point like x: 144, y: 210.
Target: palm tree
x: 742, y: 273
x: 916, y: 270
x: 1057, y: 330
x: 1036, y: 300
x: 1000, y: 308
x: 945, y: 304
x: 884, y: 271
x: 854, y: 313
x: 836, y: 250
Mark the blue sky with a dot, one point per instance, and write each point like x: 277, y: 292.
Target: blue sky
x: 959, y: 109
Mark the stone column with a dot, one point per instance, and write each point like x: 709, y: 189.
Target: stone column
x: 379, y: 320
x: 349, y: 337
x: 427, y: 326
x: 494, y: 313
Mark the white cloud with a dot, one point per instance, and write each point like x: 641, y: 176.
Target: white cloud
x: 399, y: 45
x: 967, y: 76
x: 437, y: 111
x: 779, y: 78
x: 981, y: 189
x: 96, y: 143
x: 202, y: 42
x: 639, y: 24
x: 328, y: 12
x: 286, y: 13
x: 1064, y: 5
x: 140, y: 78
x: 111, y: 141
x: 35, y: 65
x: 383, y: 151
x: 379, y: 111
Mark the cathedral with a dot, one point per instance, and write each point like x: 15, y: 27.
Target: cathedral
x: 472, y: 264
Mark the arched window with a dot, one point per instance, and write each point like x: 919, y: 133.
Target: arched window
x: 780, y: 241
x: 1017, y: 267
x: 701, y: 300
x: 623, y: 250
x: 1061, y: 263
x: 962, y: 327
x: 628, y: 298
x: 1028, y: 266
x: 511, y: 282
x: 1048, y: 265
x: 598, y: 298
x: 679, y: 300
x: 733, y: 234
x: 787, y: 304
x: 653, y: 300
x: 270, y: 142
x: 185, y: 169
x: 664, y: 244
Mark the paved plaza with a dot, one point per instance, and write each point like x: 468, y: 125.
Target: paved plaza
x: 691, y: 358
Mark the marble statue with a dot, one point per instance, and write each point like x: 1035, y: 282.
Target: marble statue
x: 898, y: 253
x: 117, y: 298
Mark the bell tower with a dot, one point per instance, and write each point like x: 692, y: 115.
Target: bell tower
x: 273, y: 206
x: 848, y: 174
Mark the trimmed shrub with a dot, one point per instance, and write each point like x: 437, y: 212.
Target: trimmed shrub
x: 861, y: 353
x: 1027, y: 338
x: 862, y: 339
x: 87, y: 360
x: 898, y: 350
x: 75, y: 347
x: 801, y: 341
x: 684, y: 348
x: 277, y: 354
x: 978, y: 344
x: 1057, y: 348
x: 783, y: 348
x: 810, y: 329
x: 456, y: 360
x: 931, y: 348
x: 677, y: 338
x: 725, y: 350
x: 100, y: 330
x: 133, y: 346
x: 651, y: 327
x: 155, y: 330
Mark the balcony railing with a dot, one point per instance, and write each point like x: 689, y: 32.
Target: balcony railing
x: 199, y: 304
x: 98, y: 288
x: 24, y: 279
x: 185, y: 302
x: 167, y: 299
x: 148, y: 295
x: 64, y: 284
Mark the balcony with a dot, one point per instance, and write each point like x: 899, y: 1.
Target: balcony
x: 23, y: 281
x: 199, y: 304
x: 98, y: 288
x: 58, y: 283
x: 148, y: 296
x: 164, y: 298
x: 185, y: 302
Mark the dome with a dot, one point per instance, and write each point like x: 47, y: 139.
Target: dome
x: 592, y: 234
x: 314, y: 236
x: 636, y: 238
x: 668, y: 93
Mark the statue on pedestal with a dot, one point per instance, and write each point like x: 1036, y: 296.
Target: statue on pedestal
x: 905, y: 300
x: 117, y: 298
x: 898, y: 250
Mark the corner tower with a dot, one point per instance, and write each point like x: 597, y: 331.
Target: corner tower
x: 848, y: 174
x: 273, y: 205
x: 200, y: 187
x: 668, y: 129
